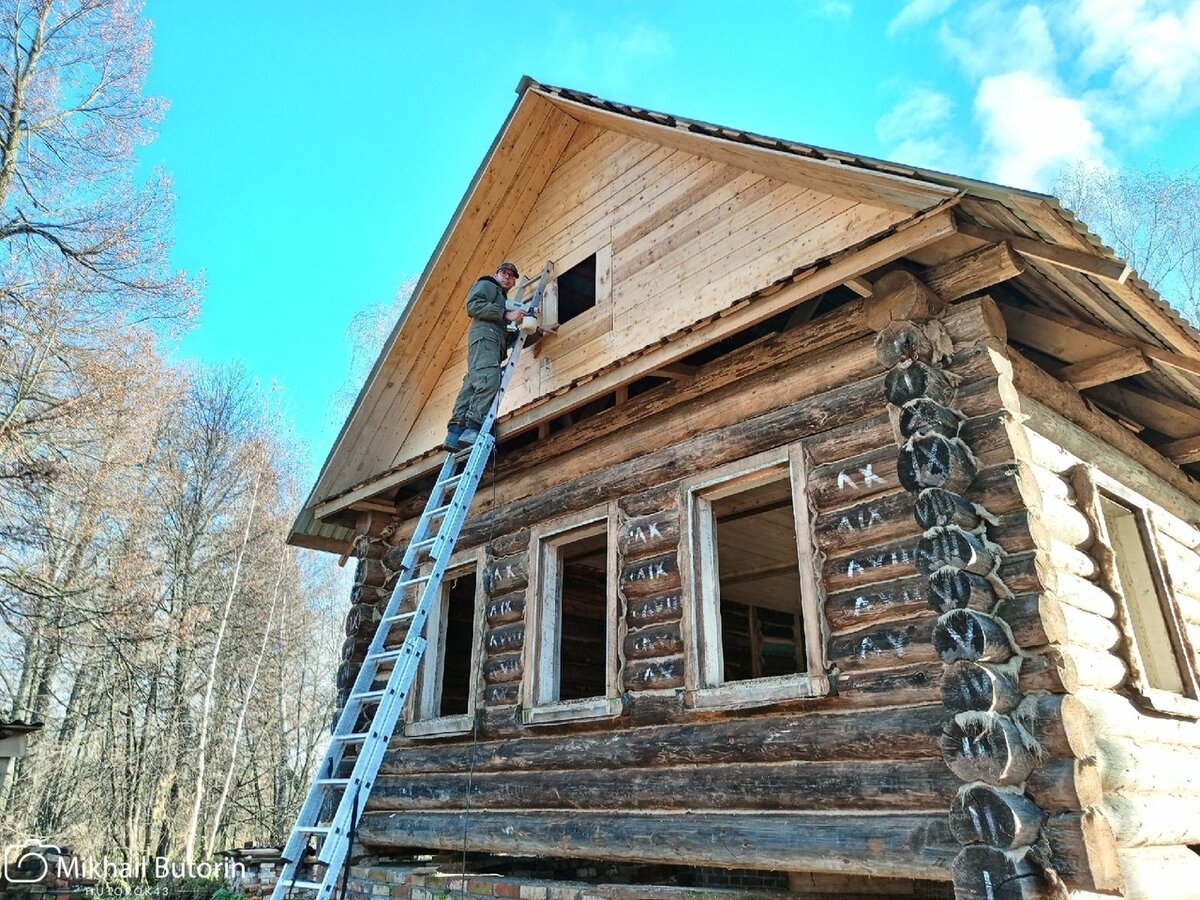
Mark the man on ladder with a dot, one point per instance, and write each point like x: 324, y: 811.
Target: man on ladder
x: 486, y: 340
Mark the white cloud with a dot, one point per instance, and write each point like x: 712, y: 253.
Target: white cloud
x: 604, y: 59
x: 916, y: 130
x: 996, y: 38
x: 835, y: 9
x: 1153, y: 50
x: 1031, y: 130
x: 916, y: 12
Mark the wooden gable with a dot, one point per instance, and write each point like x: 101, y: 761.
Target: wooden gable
x: 683, y: 226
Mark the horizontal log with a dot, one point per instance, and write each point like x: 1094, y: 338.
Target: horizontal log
x: 654, y: 641
x: 867, y: 434
x: 903, y: 341
x: 847, y: 482
x: 927, y: 417
x: 648, y: 535
x: 1061, y: 783
x: 904, y: 845
x: 970, y: 635
x: 951, y: 589
x: 935, y: 461
x: 888, y: 601
x: 1131, y: 766
x: 871, y: 565
x: 362, y: 619
x: 393, y: 557
x: 502, y: 694
x: 988, y: 873
x: 505, y: 609
x: 652, y: 575
x: 1065, y: 522
x: 915, y: 379
x: 1097, y: 668
x: 1049, y: 670
x: 901, y: 685
x: 653, y: 674
x: 988, y: 747
x: 1153, y: 820
x: 1116, y: 716
x: 940, y: 508
x: 898, y: 296
x: 911, y: 733
x: 504, y: 639
x: 507, y: 574
x: 362, y: 593
x: 877, y: 786
x: 654, y: 609
x: 953, y: 548
x: 998, y: 817
x: 1159, y: 873
x: 1062, y: 557
x: 1033, y: 620
x: 508, y: 544
x: 370, y: 572
x: 983, y: 687
x: 1084, y: 594
x: 503, y: 669
x: 974, y: 271
x: 883, y: 646
x: 875, y: 521
x: 1090, y: 630
x: 1060, y: 723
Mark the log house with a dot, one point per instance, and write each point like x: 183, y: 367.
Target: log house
x: 848, y: 527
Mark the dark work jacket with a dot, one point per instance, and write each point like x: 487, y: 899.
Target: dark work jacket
x: 485, y: 306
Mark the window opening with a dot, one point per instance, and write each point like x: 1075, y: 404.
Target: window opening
x: 1151, y: 633
x: 758, y: 582
x: 575, y: 611
x: 577, y: 290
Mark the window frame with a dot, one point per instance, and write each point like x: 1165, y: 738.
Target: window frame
x: 601, y: 314
x: 705, y: 687
x: 1093, y: 485
x: 542, y: 634
x: 426, y: 690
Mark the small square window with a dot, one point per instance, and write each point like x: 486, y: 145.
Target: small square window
x: 577, y: 290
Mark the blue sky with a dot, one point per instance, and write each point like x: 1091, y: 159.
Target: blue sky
x: 318, y: 150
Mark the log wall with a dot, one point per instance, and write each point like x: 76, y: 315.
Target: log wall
x: 1145, y: 755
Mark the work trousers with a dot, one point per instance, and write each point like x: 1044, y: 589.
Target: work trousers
x: 482, y: 380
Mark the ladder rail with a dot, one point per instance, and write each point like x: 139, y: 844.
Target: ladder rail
x: 335, y: 847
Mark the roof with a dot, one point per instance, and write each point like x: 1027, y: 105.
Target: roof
x: 362, y: 452
x: 14, y: 727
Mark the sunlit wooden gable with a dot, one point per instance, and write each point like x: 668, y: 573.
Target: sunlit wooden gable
x: 700, y: 231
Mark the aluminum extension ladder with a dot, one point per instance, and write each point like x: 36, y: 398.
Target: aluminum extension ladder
x: 428, y: 544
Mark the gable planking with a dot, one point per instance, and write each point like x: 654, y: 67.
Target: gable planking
x: 686, y: 236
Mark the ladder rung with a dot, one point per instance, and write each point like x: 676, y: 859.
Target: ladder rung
x: 315, y: 829
x: 385, y: 655
x: 408, y: 582
x: 369, y: 695
x: 352, y: 738
x: 399, y: 617
x: 305, y: 885
x: 428, y: 542
x: 439, y: 510
x: 333, y: 782
x: 453, y: 479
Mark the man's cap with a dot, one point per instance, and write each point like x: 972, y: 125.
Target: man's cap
x: 512, y: 267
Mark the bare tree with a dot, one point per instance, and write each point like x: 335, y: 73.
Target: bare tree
x: 1150, y: 218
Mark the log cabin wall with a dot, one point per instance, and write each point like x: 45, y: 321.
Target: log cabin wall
x: 1147, y: 740
x: 861, y: 768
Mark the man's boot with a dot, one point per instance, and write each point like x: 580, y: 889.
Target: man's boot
x: 469, y: 435
x: 453, y: 433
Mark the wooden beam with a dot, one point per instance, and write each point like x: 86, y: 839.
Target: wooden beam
x: 1156, y: 411
x: 1073, y: 341
x: 1088, y: 373
x: 1111, y: 270
x: 974, y: 271
x: 676, y: 371
x: 374, y: 506
x: 1065, y: 402
x: 860, y: 286
x: 1183, y: 451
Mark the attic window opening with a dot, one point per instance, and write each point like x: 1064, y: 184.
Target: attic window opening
x: 577, y: 290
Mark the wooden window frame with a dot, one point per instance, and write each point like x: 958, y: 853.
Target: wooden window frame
x: 703, y: 679
x: 426, y: 693
x: 542, y: 639
x: 603, y: 310
x: 1091, y: 485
